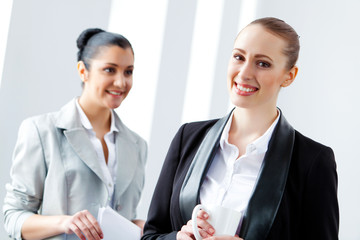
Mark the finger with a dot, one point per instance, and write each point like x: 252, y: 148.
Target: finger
x: 84, y: 229
x: 203, y: 224
x: 88, y: 229
x: 223, y: 238
x: 202, y: 214
x: 77, y: 231
x: 94, y: 223
x: 189, y: 231
x: 183, y: 236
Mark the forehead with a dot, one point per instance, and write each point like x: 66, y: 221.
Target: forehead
x: 114, y: 54
x: 255, y: 39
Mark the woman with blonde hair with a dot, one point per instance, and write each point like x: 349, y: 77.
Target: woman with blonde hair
x: 251, y: 160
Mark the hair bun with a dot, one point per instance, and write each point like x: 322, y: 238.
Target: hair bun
x: 86, y: 35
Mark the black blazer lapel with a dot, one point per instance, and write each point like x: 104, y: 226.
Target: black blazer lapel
x: 189, y: 194
x: 269, y: 189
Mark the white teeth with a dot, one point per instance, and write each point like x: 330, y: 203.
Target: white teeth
x: 114, y: 93
x: 245, y: 89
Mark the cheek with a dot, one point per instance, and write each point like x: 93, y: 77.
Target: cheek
x: 129, y: 84
x: 272, y: 83
x: 232, y: 70
x: 231, y: 74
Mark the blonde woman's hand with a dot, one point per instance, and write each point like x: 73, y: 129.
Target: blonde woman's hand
x: 84, y: 225
x: 205, y: 229
x: 224, y: 238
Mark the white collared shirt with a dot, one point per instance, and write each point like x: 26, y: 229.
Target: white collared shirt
x: 230, y: 180
x: 109, y: 169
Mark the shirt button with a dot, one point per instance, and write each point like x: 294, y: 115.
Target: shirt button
x: 110, y: 185
x: 251, y: 147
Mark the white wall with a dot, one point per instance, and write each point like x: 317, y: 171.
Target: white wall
x: 181, y: 53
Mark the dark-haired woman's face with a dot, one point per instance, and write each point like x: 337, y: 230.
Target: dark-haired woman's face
x: 109, y: 79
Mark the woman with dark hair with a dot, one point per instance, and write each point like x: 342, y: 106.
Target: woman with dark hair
x: 68, y: 164
x: 252, y: 160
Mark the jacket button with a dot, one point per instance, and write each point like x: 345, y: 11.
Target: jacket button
x: 118, y: 208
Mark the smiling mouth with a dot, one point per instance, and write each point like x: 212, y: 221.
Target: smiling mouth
x: 247, y: 89
x: 114, y: 93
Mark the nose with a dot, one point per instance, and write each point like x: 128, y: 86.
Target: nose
x: 246, y: 71
x: 120, y: 81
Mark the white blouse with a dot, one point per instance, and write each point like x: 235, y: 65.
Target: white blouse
x: 109, y: 169
x: 230, y: 180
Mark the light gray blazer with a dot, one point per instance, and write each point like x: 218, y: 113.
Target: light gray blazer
x: 55, y: 171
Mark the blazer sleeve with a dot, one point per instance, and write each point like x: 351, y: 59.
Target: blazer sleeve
x: 320, y: 207
x: 24, y: 193
x: 159, y: 221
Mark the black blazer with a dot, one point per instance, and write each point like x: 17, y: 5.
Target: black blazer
x: 295, y: 196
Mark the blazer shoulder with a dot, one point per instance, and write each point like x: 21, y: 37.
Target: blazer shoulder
x: 313, y: 154
x: 41, y: 122
x: 189, y: 137
x: 195, y: 128
x: 310, y: 144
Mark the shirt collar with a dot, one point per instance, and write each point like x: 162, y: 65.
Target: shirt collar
x: 260, y: 144
x: 86, y: 123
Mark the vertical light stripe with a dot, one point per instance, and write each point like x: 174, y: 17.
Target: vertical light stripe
x: 248, y: 12
x: 145, y: 30
x: 203, y: 58
x: 5, y: 15
x: 247, y: 15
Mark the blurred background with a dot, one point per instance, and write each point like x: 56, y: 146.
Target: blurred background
x: 181, y: 53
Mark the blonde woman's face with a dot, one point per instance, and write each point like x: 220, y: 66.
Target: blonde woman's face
x: 257, y: 68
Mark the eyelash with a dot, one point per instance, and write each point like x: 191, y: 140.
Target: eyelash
x: 109, y: 70
x: 237, y: 57
x: 267, y: 65
x: 129, y: 72
x: 258, y: 63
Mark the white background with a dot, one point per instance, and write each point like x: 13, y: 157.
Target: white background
x: 181, y: 53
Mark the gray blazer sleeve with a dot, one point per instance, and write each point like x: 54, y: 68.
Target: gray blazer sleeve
x: 28, y: 171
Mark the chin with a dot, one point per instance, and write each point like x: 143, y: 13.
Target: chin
x: 240, y: 103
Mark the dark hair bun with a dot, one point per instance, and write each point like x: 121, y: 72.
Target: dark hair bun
x: 86, y: 35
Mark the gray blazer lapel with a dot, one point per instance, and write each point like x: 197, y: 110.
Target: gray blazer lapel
x: 68, y: 119
x: 127, y: 157
x: 189, y: 194
x: 269, y: 189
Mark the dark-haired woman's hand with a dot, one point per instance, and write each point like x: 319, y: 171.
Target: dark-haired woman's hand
x: 84, y: 225
x: 205, y: 229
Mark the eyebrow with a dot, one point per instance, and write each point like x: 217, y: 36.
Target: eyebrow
x: 256, y: 55
x: 115, y: 65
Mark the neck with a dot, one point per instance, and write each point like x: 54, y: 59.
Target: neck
x: 252, y: 123
x: 99, y: 117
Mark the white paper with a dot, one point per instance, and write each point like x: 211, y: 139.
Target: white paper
x: 115, y: 226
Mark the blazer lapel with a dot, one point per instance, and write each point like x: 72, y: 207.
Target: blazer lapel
x: 269, y: 189
x: 127, y: 157
x: 126, y: 166
x: 189, y: 193
x: 69, y: 120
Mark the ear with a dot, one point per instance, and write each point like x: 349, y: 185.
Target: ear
x: 83, y: 73
x: 291, y: 75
